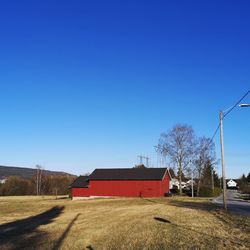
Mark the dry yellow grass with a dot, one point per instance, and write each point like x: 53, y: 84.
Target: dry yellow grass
x: 167, y: 223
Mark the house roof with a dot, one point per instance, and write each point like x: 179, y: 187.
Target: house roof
x: 235, y: 180
x: 231, y: 181
x: 80, y: 182
x: 128, y: 174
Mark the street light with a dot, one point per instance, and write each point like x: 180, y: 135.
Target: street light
x: 244, y: 105
x: 222, y: 115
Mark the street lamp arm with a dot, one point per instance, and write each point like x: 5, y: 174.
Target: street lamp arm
x: 244, y: 105
x: 227, y: 111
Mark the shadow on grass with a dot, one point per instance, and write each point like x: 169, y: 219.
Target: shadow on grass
x: 162, y: 220
x: 89, y: 247
x: 23, y: 233
x: 64, y: 235
x: 206, y: 236
x: 63, y: 198
x: 154, y: 201
x: 217, y: 211
x: 204, y: 206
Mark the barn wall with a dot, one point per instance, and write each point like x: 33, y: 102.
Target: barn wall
x: 124, y: 188
x: 80, y: 192
x: 129, y: 188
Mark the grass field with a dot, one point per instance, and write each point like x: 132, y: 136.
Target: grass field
x: 167, y: 223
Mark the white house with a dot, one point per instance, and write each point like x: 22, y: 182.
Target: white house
x: 175, y: 182
x: 189, y: 183
x: 231, y: 184
x: 2, y: 180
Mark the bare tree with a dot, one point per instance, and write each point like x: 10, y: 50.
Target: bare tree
x: 39, y: 170
x: 178, y: 146
x: 205, y: 153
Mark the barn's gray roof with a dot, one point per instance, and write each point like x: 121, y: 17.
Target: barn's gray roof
x: 80, y: 182
x: 128, y: 174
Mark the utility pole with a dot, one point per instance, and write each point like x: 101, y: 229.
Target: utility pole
x: 223, y: 114
x: 192, y: 184
x: 40, y: 181
x: 37, y: 176
x: 141, y: 157
x: 222, y: 160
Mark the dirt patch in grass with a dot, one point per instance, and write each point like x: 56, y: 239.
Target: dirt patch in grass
x: 167, y: 223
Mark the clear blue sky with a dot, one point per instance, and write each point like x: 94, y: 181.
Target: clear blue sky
x: 88, y: 84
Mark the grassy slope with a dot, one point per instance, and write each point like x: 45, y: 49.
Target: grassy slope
x: 170, y: 223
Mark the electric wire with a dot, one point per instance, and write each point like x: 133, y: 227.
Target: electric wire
x: 236, y: 104
x: 216, y: 131
x: 217, y: 128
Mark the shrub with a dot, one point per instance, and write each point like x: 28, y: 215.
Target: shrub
x: 15, y: 186
x: 245, y: 188
x: 205, y: 192
x: 208, y: 192
x: 50, y: 185
x: 217, y: 191
x: 175, y: 190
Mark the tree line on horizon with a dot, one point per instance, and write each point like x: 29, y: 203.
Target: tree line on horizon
x: 40, y: 184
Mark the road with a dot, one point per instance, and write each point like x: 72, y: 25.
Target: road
x: 234, y: 203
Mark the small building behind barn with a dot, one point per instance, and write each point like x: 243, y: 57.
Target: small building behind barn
x: 123, y: 182
x: 175, y: 184
x: 2, y: 179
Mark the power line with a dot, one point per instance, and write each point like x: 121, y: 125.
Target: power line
x: 216, y: 131
x: 217, y: 128
x: 236, y: 104
x: 230, y: 110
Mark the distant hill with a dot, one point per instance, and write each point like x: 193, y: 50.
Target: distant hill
x: 6, y: 171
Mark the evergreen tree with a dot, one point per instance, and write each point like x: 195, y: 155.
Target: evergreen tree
x: 243, y: 178
x: 248, y: 178
x: 172, y: 173
x: 216, y: 179
x: 206, y: 175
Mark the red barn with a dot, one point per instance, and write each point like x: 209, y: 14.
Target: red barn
x: 124, y: 182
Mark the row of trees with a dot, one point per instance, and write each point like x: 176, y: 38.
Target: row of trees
x: 244, y: 183
x: 189, y: 154
x: 44, y: 185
